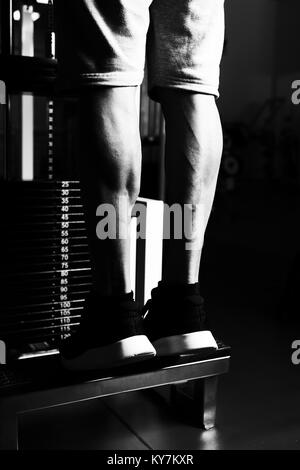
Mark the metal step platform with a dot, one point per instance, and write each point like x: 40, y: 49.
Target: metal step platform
x: 37, y: 384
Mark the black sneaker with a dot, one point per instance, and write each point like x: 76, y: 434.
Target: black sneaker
x: 175, y: 321
x: 110, y: 334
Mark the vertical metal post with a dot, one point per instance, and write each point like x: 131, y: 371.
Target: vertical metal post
x: 50, y: 139
x: 51, y: 40
x: 27, y: 99
x: 205, y: 396
x: 3, y: 130
x: 6, y: 27
x: 133, y: 248
x: 197, y: 399
x: 154, y: 245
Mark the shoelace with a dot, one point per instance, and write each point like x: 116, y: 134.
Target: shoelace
x: 146, y: 308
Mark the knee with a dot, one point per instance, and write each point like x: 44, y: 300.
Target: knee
x: 121, y: 175
x: 121, y: 162
x: 111, y: 142
x: 130, y: 184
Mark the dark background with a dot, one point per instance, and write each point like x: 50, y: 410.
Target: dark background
x: 256, y: 225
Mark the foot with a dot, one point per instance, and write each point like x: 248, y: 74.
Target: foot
x: 175, y: 321
x: 111, y: 334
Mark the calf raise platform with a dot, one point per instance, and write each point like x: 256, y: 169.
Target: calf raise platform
x: 42, y: 383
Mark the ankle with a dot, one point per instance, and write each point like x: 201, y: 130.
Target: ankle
x: 178, y: 288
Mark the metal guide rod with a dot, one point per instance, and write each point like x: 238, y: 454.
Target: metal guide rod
x: 27, y: 35
x: 3, y: 131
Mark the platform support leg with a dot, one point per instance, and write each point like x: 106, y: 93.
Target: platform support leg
x: 205, y: 396
x: 8, y: 430
x: 197, y: 399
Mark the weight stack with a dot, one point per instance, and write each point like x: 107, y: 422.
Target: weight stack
x: 45, y: 269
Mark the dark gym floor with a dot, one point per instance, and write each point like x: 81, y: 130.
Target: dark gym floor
x: 251, y: 245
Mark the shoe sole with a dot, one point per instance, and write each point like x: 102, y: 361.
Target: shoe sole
x: 188, y: 343
x: 126, y: 351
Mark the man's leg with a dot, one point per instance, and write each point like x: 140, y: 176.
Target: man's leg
x: 176, y: 322
x: 184, y: 53
x: 193, y: 154
x: 101, y: 49
x: 111, y: 332
x: 110, y: 174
